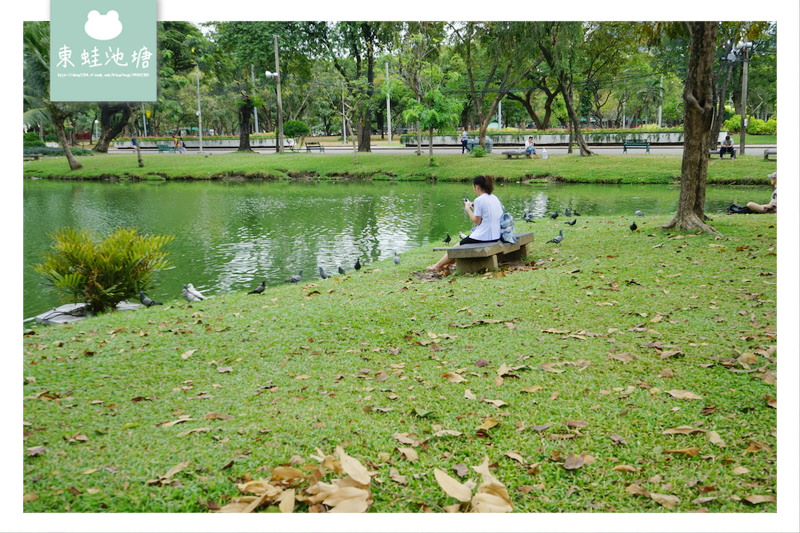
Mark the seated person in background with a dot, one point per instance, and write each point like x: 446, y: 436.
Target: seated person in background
x: 727, y: 147
x: 772, y: 206
x: 529, y: 148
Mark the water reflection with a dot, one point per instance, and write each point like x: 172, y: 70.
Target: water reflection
x: 230, y: 236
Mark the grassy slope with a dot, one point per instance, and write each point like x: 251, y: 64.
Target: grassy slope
x: 600, y: 169
x: 309, y: 363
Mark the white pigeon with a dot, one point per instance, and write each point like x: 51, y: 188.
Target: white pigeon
x: 190, y: 294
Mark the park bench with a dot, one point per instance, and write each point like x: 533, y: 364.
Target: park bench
x: 516, y: 153
x: 30, y: 157
x: 165, y: 148
x: 316, y: 146
x: 478, y: 257
x: 635, y: 143
x: 770, y: 151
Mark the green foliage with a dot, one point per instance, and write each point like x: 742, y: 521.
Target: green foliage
x: 479, y: 151
x: 51, y: 137
x: 31, y: 139
x: 296, y: 128
x: 47, y: 150
x: 103, y: 273
x: 755, y: 126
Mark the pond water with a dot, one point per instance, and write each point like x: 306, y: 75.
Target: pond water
x: 231, y: 235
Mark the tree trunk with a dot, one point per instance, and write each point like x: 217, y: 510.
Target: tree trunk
x: 698, y: 114
x: 566, y: 92
x: 245, y: 114
x: 430, y: 146
x: 113, y: 119
x: 719, y: 102
x: 58, y: 121
x: 139, y: 155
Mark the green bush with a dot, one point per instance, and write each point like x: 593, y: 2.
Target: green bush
x: 296, y: 128
x: 102, y: 273
x: 51, y: 138
x: 31, y: 139
x: 755, y: 126
x: 479, y: 151
x: 46, y: 150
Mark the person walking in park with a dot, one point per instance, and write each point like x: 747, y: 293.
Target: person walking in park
x: 485, y: 212
x: 464, y: 139
x: 772, y: 206
x: 727, y: 148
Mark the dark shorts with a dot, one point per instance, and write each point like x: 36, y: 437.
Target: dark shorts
x: 470, y: 240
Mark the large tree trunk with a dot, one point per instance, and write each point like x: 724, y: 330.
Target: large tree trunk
x: 113, y: 119
x: 566, y: 92
x: 245, y: 114
x: 58, y: 121
x: 721, y: 89
x: 698, y: 113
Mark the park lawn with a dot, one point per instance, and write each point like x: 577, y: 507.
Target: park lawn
x: 566, y: 373
x: 640, y: 168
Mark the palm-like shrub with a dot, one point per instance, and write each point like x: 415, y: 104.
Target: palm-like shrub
x: 105, y: 272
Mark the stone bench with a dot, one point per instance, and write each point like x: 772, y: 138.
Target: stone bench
x: 479, y: 257
x: 770, y: 151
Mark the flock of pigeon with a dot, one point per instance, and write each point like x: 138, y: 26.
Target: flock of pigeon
x: 191, y: 294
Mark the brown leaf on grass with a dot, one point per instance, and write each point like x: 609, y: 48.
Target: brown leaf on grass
x: 491, y: 495
x: 354, y: 468
x: 573, y: 462
x: 542, y: 427
x: 665, y: 500
x: 496, y: 403
x: 666, y: 373
x: 224, y: 369
x: 453, y: 377
x: 469, y: 395
x: 703, y: 499
x: 692, y: 452
x: 488, y: 423
x: 636, y: 490
x: 406, y: 439
x: 666, y: 354
x: 395, y: 476
x: 409, y: 453
x: 187, y: 354
x: 218, y: 416
x: 747, y: 359
x: 739, y: 470
x: 461, y: 469
x: 36, y: 451
x: 516, y: 457
x: 618, y: 439
x: 771, y: 402
x: 561, y: 436
x: 195, y: 430
x: 625, y: 468
x: 576, y: 423
x: 179, y: 420
x: 286, y: 501
x: 166, y: 478
x: 286, y: 475
x: 683, y: 394
x: 757, y: 499
x: 451, y: 487
x: 714, y: 438
x: 623, y: 357
x: 30, y: 497
x: 682, y: 430
x: 534, y: 388
x: 755, y: 447
x: 552, y: 367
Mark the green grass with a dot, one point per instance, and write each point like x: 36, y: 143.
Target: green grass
x: 310, y: 364
x: 655, y: 169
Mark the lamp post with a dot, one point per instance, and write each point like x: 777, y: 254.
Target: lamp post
x: 95, y: 130
x: 277, y: 76
x: 199, y: 112
x: 745, y: 51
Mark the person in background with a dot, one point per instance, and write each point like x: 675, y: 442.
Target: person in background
x: 464, y: 139
x: 772, y: 206
x: 727, y: 148
x: 485, y: 212
x: 529, y: 148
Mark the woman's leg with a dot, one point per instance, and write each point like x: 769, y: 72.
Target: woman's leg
x: 756, y: 208
x: 443, y: 263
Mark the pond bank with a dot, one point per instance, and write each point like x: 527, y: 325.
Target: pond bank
x: 612, y: 169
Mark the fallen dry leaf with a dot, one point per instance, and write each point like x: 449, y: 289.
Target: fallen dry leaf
x: 692, y: 452
x: 665, y: 500
x: 739, y: 470
x: 286, y: 500
x: 451, y: 487
x: 409, y: 453
x: 757, y: 499
x: 714, y: 438
x: 684, y: 394
x: 354, y: 468
x: 488, y: 423
x: 573, y: 462
x: 195, y: 430
x: 491, y: 496
x: 395, y: 476
x: 625, y: 468
x: 453, y: 377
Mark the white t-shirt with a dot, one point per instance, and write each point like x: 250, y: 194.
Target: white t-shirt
x: 489, y: 208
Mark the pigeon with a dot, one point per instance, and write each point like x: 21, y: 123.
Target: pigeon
x: 190, y: 294
x: 297, y: 277
x: 260, y: 288
x: 323, y: 274
x: 576, y: 214
x: 357, y: 266
x: 146, y: 300
x: 554, y: 215
x: 567, y: 212
x: 447, y: 239
x: 396, y: 259
x: 638, y: 213
x: 341, y: 270
x: 557, y: 239
x: 633, y: 226
x: 528, y: 216
x: 572, y: 222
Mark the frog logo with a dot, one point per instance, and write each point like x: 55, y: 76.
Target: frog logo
x: 103, y: 27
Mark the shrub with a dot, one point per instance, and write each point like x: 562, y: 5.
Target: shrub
x: 733, y: 124
x: 479, y: 151
x: 51, y: 137
x: 297, y: 129
x: 103, y: 273
x: 46, y: 150
x: 31, y: 139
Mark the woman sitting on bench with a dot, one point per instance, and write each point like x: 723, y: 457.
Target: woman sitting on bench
x: 529, y: 148
x: 772, y: 206
x: 484, y: 212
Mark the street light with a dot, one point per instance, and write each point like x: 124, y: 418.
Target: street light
x: 95, y: 130
x: 277, y: 76
x: 741, y: 52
